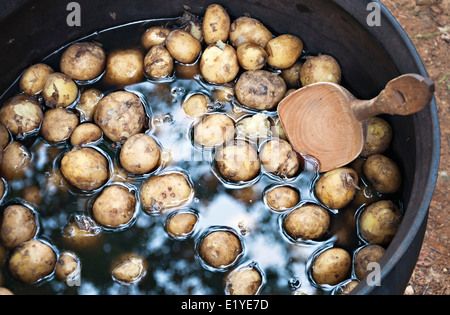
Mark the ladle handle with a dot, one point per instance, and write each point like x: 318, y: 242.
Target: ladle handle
x: 404, y: 95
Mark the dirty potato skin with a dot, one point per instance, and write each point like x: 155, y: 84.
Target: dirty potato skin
x: 120, y: 115
x: 283, y: 51
x: 219, y: 64
x: 85, y: 133
x: 83, y: 61
x: 85, y: 168
x: 308, y: 222
x: 260, y: 89
x: 181, y: 224
x: 32, y: 261
x: 364, y: 256
x: 383, y: 174
x: 220, y: 249
x: 279, y: 158
x: 322, y: 68
x: 243, y: 281
x: 155, y: 35
x: 124, y: 67
x: 378, y: 137
x: 216, y: 24
x: 158, y: 63
x: 59, y: 90
x: 17, y: 226
x: 332, y: 266
x: 337, y: 188
x: 165, y: 191
x: 238, y: 161
x: 129, y: 268
x: 33, y: 79
x: 251, y: 56
x: 248, y: 30
x: 282, y: 198
x: 183, y: 46
x: 114, y: 207
x: 213, y: 130
x: 379, y: 222
x: 22, y: 115
x: 140, y: 154
x: 15, y: 162
x: 58, y: 124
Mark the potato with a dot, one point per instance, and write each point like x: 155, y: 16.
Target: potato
x: 2, y: 188
x: 216, y: 24
x: 371, y: 253
x: 245, y: 280
x: 219, y: 63
x: 366, y: 195
x: 335, y: 189
x: 129, y: 268
x: 214, y: 130
x: 32, y: 261
x: 260, y: 89
x: 16, y: 161
x: 85, y: 168
x: 379, y: 222
x: 115, y: 207
x: 223, y: 94
x: 19, y: 224
x: 322, y: 68
x: 85, y: 133
x: 383, y: 174
x: 32, y: 195
x: 181, y: 224
x: 378, y: 137
x: 4, y: 136
x: 155, y: 35
x: 22, y: 115
x: 83, y: 61
x: 140, y: 154
x: 194, y: 27
x: 183, y: 46
x: 331, y: 266
x: 283, y: 51
x: 158, y: 63
x: 124, y: 67
x: 88, y: 103
x: 5, y: 291
x: 256, y: 126
x: 279, y: 158
x: 196, y: 105
x: 238, y: 161
x: 165, y: 191
x: 282, y: 198
x: 251, y: 56
x: 220, y: 249
x: 279, y: 130
x: 59, y: 90
x: 82, y: 233
x: 58, y: 124
x: 346, y: 287
x: 291, y: 75
x: 68, y: 267
x: 249, y: 30
x: 33, y: 79
x: 307, y: 222
x: 120, y: 115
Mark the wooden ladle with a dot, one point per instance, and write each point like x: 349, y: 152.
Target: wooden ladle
x: 325, y: 121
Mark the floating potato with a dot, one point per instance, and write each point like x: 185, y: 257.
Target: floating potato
x: 59, y: 90
x: 165, y: 191
x: 22, y: 115
x: 214, y: 130
x: 383, y: 174
x: 279, y: 158
x: 88, y: 103
x: 219, y: 63
x: 33, y: 79
x: 248, y: 30
x: 282, y: 198
x: 332, y: 266
x: 365, y: 255
x: 58, y: 124
x: 378, y: 137
x: 216, y: 24
x: 183, y: 46
x: 158, y: 63
x: 181, y: 224
x: 124, y: 67
x: 283, y: 51
x: 251, y: 56
x: 308, y: 222
x: 83, y: 61
x: 18, y: 225
x: 140, y: 154
x: 220, y: 249
x: 16, y: 161
x: 155, y: 35
x: 322, y: 68
x: 246, y: 280
x: 68, y: 267
x: 85, y: 133
x: 82, y: 233
x: 129, y: 268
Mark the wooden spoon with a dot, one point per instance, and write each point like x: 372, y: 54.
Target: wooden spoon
x: 325, y: 121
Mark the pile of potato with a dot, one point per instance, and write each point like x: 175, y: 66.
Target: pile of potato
x: 256, y: 70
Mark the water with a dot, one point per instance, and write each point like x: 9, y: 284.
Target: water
x: 173, y: 265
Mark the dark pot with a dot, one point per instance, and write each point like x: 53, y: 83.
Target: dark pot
x: 369, y: 55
